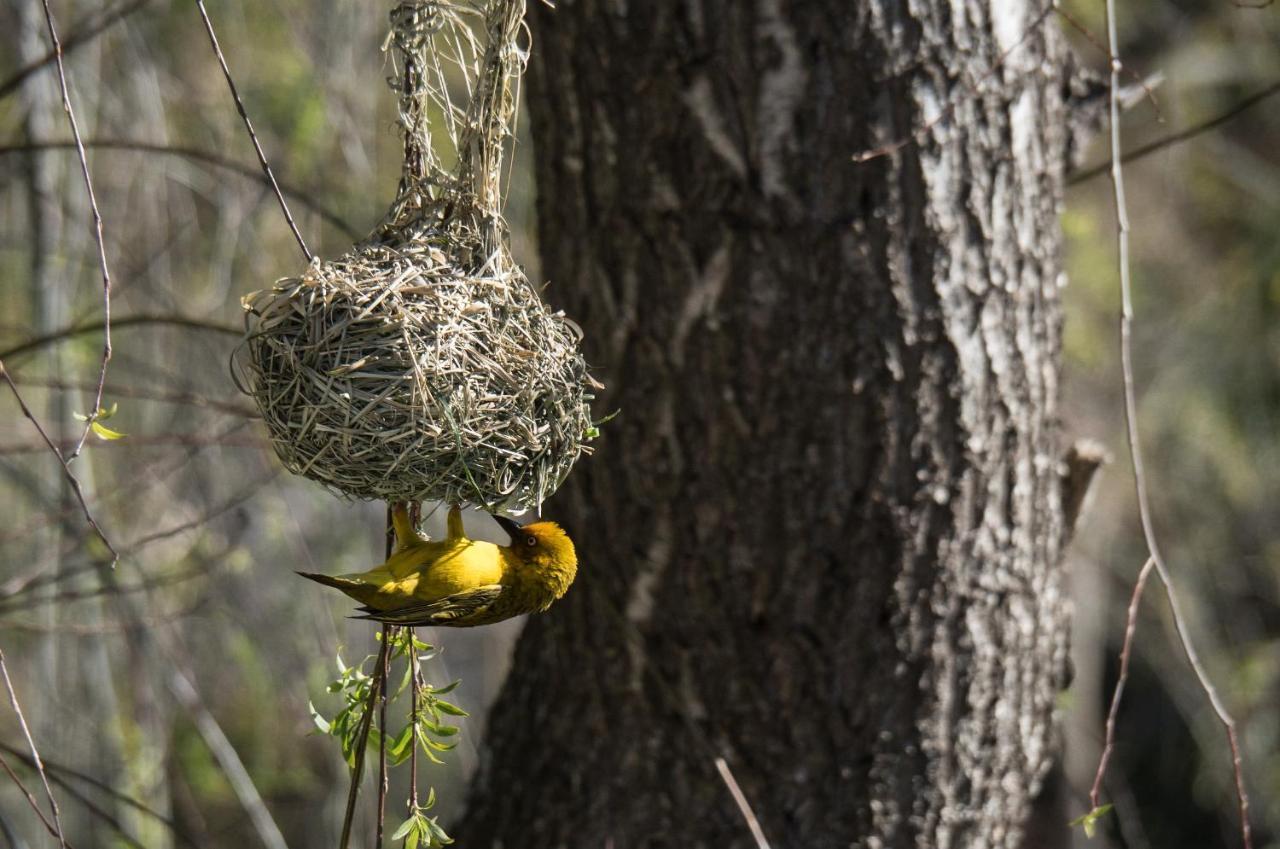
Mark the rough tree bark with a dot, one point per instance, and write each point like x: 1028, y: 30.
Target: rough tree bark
x: 822, y: 539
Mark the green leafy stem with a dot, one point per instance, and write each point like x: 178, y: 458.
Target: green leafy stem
x: 427, y: 730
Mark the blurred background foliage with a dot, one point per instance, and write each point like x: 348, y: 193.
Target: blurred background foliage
x: 211, y: 532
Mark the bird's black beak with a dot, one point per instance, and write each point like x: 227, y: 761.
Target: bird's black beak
x: 511, y: 526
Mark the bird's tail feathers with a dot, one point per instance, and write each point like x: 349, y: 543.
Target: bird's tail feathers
x: 335, y: 581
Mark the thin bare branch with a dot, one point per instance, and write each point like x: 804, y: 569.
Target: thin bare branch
x: 1126, y: 650
x: 144, y: 441
x: 383, y: 778
x: 228, y: 759
x: 415, y: 672
x: 193, y: 154
x: 162, y: 396
x: 253, y: 136
x: 31, y: 800
x: 666, y: 689
x: 97, y: 230
x: 1126, y: 100
x: 35, y: 755
x: 91, y: 806
x: 377, y: 690
x: 8, y: 605
x: 84, y: 34
x: 72, y: 480
x: 358, y: 769
x: 1131, y: 426
x: 128, y: 321
x: 1181, y: 135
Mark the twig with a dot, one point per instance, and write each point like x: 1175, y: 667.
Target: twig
x: 1114, y: 60
x: 667, y: 691
x: 1131, y: 627
x: 1181, y: 135
x: 414, y: 671
x: 1131, y: 425
x: 113, y: 590
x: 31, y: 800
x: 97, y: 231
x: 35, y: 755
x: 97, y: 810
x: 365, y: 722
x: 389, y: 544
x: 387, y: 631
x: 194, y: 154
x: 146, y: 440
x: 743, y: 805
x: 376, y: 690
x: 225, y: 754
x: 248, y: 125
x: 160, y: 396
x: 79, y: 38
x: 72, y: 480
x: 116, y: 324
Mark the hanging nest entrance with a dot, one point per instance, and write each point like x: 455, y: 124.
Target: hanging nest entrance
x: 422, y: 364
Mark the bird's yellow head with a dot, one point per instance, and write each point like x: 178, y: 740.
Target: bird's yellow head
x: 544, y: 552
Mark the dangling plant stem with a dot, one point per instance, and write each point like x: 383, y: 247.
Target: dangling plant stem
x: 362, y: 743
x: 387, y: 632
x: 413, y: 717
x: 377, y: 689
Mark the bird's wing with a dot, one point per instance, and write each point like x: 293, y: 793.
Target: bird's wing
x: 451, y: 610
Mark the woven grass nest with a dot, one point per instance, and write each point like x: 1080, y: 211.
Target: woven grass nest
x: 422, y: 364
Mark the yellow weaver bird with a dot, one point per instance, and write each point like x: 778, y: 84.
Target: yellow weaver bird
x: 462, y: 582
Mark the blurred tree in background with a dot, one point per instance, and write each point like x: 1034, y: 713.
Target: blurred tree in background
x: 211, y: 532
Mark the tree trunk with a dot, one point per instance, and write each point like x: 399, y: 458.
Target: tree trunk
x: 822, y: 538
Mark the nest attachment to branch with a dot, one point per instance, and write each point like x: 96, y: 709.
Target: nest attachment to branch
x: 422, y: 364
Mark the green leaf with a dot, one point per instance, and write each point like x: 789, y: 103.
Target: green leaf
x: 321, y: 723
x: 105, y: 432
x: 440, y: 730
x: 437, y: 833
x: 405, y: 827
x: 400, y: 748
x: 446, y: 689
x: 452, y: 709
x: 1090, y: 820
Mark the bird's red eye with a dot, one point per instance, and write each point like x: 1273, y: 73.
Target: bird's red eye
x: 530, y: 541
